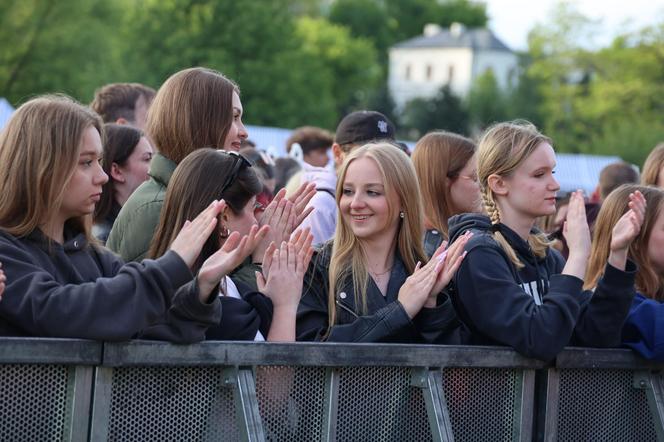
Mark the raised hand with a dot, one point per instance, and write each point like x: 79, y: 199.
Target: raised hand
x: 300, y: 199
x: 280, y: 216
x: 283, y: 271
x: 577, y: 234
x: 234, y: 250
x: 415, y: 291
x: 449, y: 260
x: 626, y: 230
x: 282, y: 281
x: 189, y: 242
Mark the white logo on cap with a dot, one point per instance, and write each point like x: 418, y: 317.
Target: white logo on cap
x: 382, y: 126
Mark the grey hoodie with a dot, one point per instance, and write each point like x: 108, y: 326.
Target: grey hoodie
x: 75, y: 290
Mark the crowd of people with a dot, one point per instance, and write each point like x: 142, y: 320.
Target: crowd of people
x: 150, y: 214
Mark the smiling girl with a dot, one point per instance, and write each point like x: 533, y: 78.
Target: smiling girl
x: 61, y: 283
x: 513, y: 288
x: 373, y: 283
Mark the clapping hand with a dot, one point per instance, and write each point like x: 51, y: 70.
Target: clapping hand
x: 284, y: 269
x: 300, y: 199
x: 282, y: 280
x: 191, y: 238
x: 449, y: 259
x: 427, y: 281
x: 575, y: 228
x: 627, y: 229
x: 283, y: 215
x: 234, y: 250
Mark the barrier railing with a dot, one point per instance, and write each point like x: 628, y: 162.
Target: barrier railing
x: 53, y: 389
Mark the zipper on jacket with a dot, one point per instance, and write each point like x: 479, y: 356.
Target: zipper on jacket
x: 348, y: 309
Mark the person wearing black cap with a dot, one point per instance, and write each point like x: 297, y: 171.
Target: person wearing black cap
x: 359, y: 128
x: 355, y: 129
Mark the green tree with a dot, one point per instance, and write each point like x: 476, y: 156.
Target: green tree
x: 254, y: 43
x: 57, y: 46
x: 445, y: 111
x: 606, y: 101
x: 368, y: 19
x: 350, y: 62
x: 486, y: 102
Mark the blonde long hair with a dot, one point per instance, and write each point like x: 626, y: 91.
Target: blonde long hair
x: 348, y: 259
x: 648, y: 281
x: 502, y: 149
x: 39, y: 151
x: 439, y: 157
x: 653, y: 165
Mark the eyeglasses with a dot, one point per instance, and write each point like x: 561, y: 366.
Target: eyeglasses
x: 236, y: 167
x: 472, y: 178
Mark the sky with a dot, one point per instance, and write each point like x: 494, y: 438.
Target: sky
x: 512, y: 19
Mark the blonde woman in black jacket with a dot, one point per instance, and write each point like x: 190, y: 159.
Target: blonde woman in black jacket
x: 373, y: 283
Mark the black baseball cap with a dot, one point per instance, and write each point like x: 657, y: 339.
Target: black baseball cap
x: 364, y: 126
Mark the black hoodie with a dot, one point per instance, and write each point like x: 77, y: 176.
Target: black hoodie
x: 535, y: 310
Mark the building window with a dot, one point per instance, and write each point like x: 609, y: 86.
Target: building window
x: 450, y: 74
x: 407, y: 72
x: 429, y: 72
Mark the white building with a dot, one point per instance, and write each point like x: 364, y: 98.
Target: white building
x: 419, y: 67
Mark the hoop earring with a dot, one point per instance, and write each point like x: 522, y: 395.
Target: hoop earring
x: 224, y: 233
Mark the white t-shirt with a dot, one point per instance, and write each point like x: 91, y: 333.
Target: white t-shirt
x: 233, y: 292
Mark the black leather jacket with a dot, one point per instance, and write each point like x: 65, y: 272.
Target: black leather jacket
x: 385, y: 320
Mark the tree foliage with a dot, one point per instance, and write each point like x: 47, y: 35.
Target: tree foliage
x: 445, y: 111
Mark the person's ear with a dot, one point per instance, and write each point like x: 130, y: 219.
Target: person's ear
x: 117, y: 174
x: 122, y: 121
x: 498, y: 185
x: 338, y: 154
x: 596, y: 196
x: 224, y: 216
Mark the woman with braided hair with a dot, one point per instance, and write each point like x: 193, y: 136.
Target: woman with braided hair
x: 513, y: 288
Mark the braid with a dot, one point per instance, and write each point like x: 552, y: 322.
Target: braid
x: 491, y: 208
x: 493, y: 212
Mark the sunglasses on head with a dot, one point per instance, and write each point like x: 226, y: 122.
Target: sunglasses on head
x: 236, y: 168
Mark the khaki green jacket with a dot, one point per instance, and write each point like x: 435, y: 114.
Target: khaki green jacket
x: 138, y: 219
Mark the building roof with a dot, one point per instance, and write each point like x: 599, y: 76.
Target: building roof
x: 480, y: 39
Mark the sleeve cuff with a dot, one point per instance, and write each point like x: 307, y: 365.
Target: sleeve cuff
x: 616, y: 278
x: 175, y: 268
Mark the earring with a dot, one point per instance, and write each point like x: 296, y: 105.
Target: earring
x: 402, y: 215
x: 224, y: 232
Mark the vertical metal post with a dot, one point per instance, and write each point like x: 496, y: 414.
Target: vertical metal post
x: 101, y: 405
x: 246, y: 403
x: 552, y: 405
x: 524, y: 406
x: 79, y: 397
x: 652, y: 383
x: 330, y: 405
x: 431, y: 383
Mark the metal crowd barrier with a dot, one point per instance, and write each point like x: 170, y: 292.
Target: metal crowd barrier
x: 73, y: 390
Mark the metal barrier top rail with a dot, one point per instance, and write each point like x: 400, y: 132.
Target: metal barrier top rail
x: 225, y: 353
